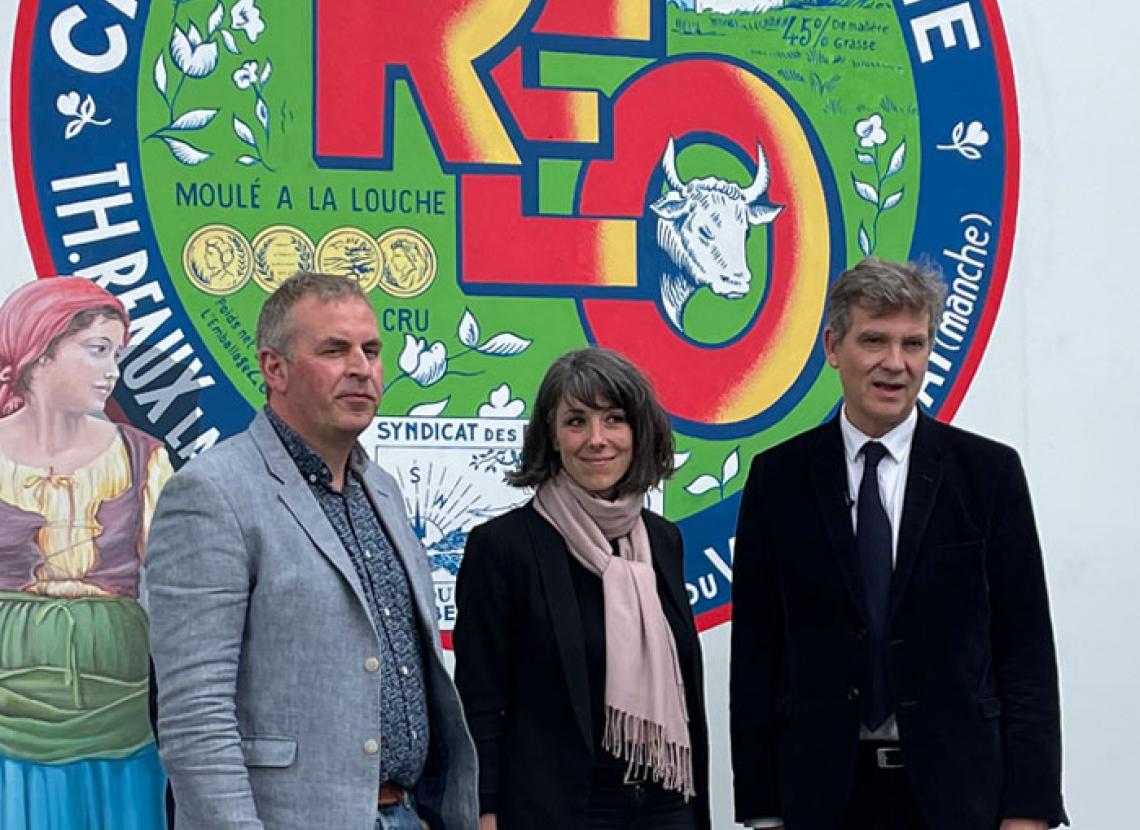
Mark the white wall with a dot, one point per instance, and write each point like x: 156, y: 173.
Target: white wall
x: 1060, y: 379
x: 15, y: 261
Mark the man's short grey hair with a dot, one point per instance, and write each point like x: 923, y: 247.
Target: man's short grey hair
x: 273, y: 329
x: 883, y: 287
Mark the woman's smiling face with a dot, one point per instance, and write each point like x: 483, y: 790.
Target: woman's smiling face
x: 594, y: 445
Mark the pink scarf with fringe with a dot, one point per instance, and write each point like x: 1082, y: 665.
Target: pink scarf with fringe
x: 647, y: 721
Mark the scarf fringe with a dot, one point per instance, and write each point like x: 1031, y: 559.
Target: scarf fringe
x: 642, y: 743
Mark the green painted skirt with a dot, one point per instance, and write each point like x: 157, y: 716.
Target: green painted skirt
x: 74, y: 678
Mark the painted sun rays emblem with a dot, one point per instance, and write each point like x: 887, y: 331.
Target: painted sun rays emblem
x: 443, y: 505
x: 702, y: 228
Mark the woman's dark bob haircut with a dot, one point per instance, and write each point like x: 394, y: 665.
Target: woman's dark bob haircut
x: 598, y: 378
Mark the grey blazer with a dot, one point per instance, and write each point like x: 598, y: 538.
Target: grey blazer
x: 268, y: 696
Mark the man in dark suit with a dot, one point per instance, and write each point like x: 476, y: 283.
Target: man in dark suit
x: 892, y: 654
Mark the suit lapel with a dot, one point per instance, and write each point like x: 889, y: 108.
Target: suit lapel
x: 389, y: 506
x: 554, y: 570
x: 666, y: 563
x: 923, y: 479
x: 300, y: 502
x: 829, y: 478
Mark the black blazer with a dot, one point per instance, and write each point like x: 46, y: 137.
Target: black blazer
x: 520, y: 666
x: 971, y: 656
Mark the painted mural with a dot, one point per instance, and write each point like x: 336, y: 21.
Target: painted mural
x: 76, y: 495
x: 510, y: 179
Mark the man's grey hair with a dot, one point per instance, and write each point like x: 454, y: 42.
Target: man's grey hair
x: 882, y: 287
x: 273, y: 329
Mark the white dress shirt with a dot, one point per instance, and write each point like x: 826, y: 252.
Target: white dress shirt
x: 892, y: 476
x: 892, y: 470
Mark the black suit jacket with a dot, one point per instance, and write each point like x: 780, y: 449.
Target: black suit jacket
x: 971, y: 658
x: 520, y: 666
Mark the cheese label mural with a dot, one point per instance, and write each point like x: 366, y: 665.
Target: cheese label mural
x: 509, y: 180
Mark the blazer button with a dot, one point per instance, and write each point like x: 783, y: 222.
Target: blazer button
x: 852, y: 693
x: 372, y: 665
x: 371, y: 746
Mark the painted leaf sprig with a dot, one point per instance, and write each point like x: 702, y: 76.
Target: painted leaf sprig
x: 967, y: 140
x: 427, y: 364
x: 81, y: 111
x: 193, y: 56
x: 504, y: 344
x: 707, y: 482
x: 253, y: 76
x: 871, y: 136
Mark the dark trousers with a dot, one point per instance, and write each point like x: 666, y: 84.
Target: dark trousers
x: 882, y: 798
x: 615, y: 805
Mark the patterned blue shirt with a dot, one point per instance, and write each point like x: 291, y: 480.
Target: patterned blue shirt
x: 403, y: 697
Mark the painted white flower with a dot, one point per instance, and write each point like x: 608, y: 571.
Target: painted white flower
x: 68, y: 104
x: 976, y: 134
x: 422, y: 364
x: 245, y: 75
x: 246, y: 16
x: 501, y: 405
x: 193, y: 57
x: 966, y: 139
x: 871, y: 132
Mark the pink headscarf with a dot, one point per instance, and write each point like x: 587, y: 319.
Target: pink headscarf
x: 34, y: 315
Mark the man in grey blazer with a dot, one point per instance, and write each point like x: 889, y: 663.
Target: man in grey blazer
x: 293, y: 630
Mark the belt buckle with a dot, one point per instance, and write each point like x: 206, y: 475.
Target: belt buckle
x: 889, y: 757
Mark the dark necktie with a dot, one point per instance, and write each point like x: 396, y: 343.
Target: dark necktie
x: 873, y: 541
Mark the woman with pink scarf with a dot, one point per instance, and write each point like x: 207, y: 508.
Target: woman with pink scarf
x: 76, y: 496
x: 577, y: 657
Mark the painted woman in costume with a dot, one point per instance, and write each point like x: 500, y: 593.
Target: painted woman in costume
x: 76, y: 496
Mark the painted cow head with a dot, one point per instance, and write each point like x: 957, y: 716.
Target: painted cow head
x: 702, y: 227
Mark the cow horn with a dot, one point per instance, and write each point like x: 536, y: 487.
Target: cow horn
x: 669, y: 165
x: 760, y: 183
